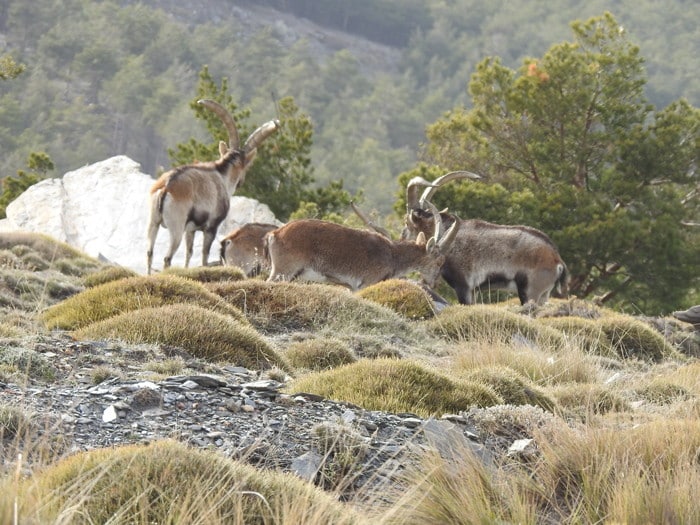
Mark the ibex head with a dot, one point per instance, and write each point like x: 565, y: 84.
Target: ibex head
x: 419, y: 211
x: 232, y: 152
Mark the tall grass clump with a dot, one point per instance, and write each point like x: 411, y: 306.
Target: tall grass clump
x: 587, y: 334
x: 514, y: 388
x: 115, y: 297
x: 632, y: 338
x: 568, y: 365
x: 645, y: 474
x: 462, y: 489
x: 582, y: 401
x: 201, y: 332
x: 396, y: 386
x: 402, y: 296
x: 168, y: 482
x: 319, y: 354
x: 493, y: 324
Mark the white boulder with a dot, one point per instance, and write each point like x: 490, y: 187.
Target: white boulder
x: 102, y: 209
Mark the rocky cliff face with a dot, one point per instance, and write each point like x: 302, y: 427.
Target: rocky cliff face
x: 102, y: 209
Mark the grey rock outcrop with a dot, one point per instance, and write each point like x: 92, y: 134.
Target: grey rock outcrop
x: 102, y: 209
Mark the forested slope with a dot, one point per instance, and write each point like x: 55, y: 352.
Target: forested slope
x: 106, y: 78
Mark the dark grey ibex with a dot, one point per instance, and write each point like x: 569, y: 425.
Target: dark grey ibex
x: 321, y: 251
x: 483, y: 254
x: 197, y: 197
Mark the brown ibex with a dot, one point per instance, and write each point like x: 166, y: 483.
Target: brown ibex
x: 321, y: 251
x: 244, y: 247
x: 513, y: 258
x: 197, y: 197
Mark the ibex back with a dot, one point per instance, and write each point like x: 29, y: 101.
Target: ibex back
x: 322, y: 251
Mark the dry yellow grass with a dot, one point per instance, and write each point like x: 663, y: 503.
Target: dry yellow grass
x: 167, y: 482
x: 201, y: 332
x: 124, y: 295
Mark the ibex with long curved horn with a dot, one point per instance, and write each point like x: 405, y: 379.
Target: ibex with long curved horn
x: 321, y: 251
x: 197, y: 197
x: 483, y: 254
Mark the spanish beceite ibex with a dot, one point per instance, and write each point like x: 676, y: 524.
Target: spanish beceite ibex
x: 245, y: 247
x: 326, y: 252
x: 197, y: 197
x: 515, y: 258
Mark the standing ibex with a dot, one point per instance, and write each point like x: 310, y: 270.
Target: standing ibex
x: 514, y: 258
x: 196, y: 197
x: 322, y: 251
x: 244, y: 247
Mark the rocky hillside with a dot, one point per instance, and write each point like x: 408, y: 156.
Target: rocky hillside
x: 350, y: 392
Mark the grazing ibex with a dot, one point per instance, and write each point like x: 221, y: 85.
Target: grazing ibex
x: 320, y: 251
x: 196, y: 197
x: 514, y: 258
x: 244, y: 247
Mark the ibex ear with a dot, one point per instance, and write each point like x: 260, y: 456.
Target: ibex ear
x: 223, y: 148
x: 250, y: 156
x: 420, y: 239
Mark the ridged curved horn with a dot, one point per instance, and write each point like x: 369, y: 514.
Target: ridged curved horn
x: 437, y: 220
x: 412, y: 192
x: 428, y: 193
x: 259, y: 135
x: 368, y: 222
x: 226, y: 118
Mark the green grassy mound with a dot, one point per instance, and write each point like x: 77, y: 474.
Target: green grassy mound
x: 396, y: 386
x: 124, y: 295
x: 168, y: 482
x: 201, y: 332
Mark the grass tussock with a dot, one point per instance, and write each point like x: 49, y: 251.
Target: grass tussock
x: 208, y: 274
x: 125, y: 295
x: 402, y: 296
x: 461, y: 489
x: 632, y: 338
x: 662, y: 392
x: 319, y: 354
x: 584, y: 400
x: 396, y: 386
x: 514, y: 388
x: 586, y: 333
x: 639, y: 475
x: 201, y: 332
x: 283, y: 306
x: 107, y: 275
x: 622, y: 476
x: 569, y: 365
x: 167, y: 482
x: 43, y: 247
x: 13, y: 421
x: 18, y: 363
x: 493, y: 324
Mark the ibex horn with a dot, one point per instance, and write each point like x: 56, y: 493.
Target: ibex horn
x: 412, y: 192
x: 430, y: 191
x: 259, y: 135
x: 226, y: 118
x: 368, y: 222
